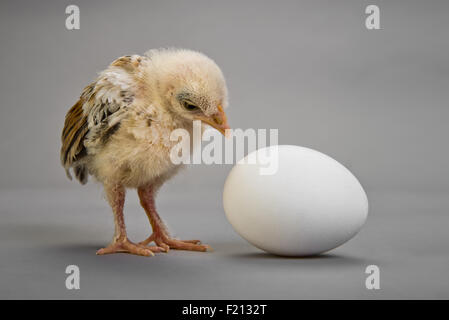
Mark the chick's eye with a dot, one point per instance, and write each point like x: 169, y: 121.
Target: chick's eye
x: 190, y: 106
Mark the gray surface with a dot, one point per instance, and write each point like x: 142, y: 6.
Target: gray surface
x: 406, y: 236
x: 374, y: 100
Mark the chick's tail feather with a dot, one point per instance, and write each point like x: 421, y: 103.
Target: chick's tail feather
x: 73, y: 149
x: 81, y: 173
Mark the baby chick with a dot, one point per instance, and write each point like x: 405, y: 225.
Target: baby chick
x: 119, y: 131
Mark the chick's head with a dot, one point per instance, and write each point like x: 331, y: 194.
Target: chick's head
x: 192, y: 86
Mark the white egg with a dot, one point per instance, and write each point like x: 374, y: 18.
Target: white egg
x: 308, y: 204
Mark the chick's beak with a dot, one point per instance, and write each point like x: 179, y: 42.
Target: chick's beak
x: 218, y: 121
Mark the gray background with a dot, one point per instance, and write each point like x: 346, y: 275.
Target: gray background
x: 377, y: 101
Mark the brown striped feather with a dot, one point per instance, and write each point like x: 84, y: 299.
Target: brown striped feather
x: 75, y: 129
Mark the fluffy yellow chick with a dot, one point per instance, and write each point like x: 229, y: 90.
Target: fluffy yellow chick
x: 119, y: 131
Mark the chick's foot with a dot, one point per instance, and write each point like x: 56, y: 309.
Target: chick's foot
x: 163, y: 240
x: 126, y: 246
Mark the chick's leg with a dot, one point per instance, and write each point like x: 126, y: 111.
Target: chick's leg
x: 120, y: 243
x: 160, y: 234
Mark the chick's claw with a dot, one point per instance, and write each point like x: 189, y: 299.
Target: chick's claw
x: 126, y: 246
x: 171, y: 243
x: 186, y: 245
